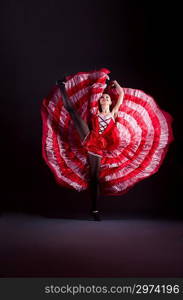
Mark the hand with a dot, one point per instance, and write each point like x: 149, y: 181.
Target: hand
x: 117, y: 86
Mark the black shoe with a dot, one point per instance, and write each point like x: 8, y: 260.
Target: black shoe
x: 61, y: 81
x: 96, y: 215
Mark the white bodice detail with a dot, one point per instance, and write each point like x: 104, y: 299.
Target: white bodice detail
x: 103, y: 121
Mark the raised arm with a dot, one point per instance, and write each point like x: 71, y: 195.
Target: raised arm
x: 120, y: 98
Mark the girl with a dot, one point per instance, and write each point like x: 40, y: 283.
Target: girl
x: 103, y: 135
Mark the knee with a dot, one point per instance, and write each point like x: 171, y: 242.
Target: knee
x: 70, y: 109
x: 94, y: 180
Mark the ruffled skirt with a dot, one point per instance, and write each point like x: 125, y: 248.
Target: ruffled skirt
x: 133, y: 150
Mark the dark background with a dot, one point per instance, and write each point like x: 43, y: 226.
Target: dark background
x: 42, y: 40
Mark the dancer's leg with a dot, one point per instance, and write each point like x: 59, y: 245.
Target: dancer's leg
x: 80, y: 124
x: 94, y: 162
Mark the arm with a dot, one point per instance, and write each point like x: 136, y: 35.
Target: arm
x: 120, y: 99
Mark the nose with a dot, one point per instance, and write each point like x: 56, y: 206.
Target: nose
x: 103, y: 100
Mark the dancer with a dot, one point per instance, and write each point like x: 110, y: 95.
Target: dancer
x: 99, y: 136
x: 98, y: 132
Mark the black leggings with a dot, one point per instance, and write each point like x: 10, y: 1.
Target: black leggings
x: 93, y: 160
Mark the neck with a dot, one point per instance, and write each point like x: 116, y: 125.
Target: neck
x: 105, y: 110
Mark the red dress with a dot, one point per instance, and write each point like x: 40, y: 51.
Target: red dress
x: 99, y: 141
x: 132, y: 148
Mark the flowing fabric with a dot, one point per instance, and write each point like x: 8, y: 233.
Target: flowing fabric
x: 132, y: 148
x: 97, y: 142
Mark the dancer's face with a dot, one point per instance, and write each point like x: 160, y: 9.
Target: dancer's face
x: 105, y: 100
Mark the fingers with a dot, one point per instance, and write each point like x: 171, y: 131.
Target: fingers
x: 113, y: 83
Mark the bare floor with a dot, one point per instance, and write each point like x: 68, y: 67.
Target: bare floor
x: 40, y: 246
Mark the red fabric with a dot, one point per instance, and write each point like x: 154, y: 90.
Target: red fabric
x: 132, y: 148
x: 108, y: 140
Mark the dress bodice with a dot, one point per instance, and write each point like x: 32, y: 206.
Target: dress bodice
x: 103, y: 121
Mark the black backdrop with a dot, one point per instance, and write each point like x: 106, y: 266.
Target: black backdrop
x: 42, y: 40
